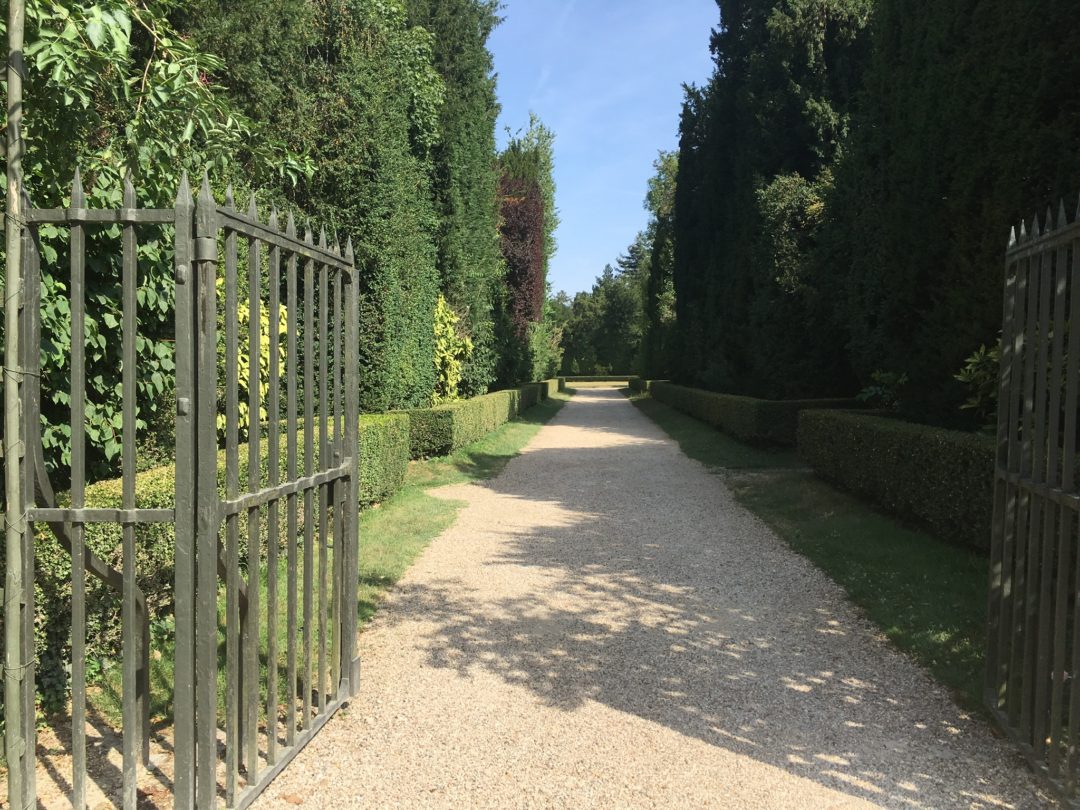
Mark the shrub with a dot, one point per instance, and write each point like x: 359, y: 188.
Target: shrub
x: 755, y: 421
x: 384, y: 449
x: 384, y: 455
x: 940, y: 479
x: 551, y: 387
x: 443, y: 429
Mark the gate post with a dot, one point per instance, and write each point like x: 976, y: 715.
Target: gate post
x: 184, y: 593
x: 207, y: 511
x: 17, y: 670
x: 350, y: 570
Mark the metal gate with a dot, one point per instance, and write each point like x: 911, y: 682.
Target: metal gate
x: 1033, y: 660
x: 266, y: 537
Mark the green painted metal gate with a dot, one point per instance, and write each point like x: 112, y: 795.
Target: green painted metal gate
x: 1033, y: 657
x: 265, y: 512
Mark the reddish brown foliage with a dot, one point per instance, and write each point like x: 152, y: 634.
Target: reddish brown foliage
x: 522, y: 231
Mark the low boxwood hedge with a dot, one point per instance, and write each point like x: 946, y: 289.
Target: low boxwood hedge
x: 755, y: 421
x: 641, y: 386
x: 939, y: 479
x: 387, y: 442
x: 599, y: 378
x: 443, y: 429
x: 384, y: 457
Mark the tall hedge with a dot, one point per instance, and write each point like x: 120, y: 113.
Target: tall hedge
x: 968, y: 120
x: 466, y: 173
x: 756, y: 146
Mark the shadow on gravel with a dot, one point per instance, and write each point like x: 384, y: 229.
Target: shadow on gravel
x: 664, y: 608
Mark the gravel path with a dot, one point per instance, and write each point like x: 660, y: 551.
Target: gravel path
x: 604, y: 626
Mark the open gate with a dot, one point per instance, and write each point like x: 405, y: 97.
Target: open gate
x: 266, y: 535
x: 1033, y: 660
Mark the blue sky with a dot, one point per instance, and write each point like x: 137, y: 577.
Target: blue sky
x: 606, y: 76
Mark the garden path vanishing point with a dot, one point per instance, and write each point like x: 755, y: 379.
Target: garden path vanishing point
x: 604, y: 626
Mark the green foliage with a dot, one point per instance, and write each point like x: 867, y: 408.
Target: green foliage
x: 115, y: 87
x: 940, y: 479
x: 755, y: 421
x: 545, y: 339
x: 384, y: 455
x: 384, y: 458
x: 885, y: 390
x: 452, y: 351
x: 658, y: 336
x: 757, y: 143
x: 603, y: 328
x: 444, y: 428
x: 466, y: 173
x: 376, y: 97
x: 528, y: 219
x: 981, y: 377
x: 956, y: 137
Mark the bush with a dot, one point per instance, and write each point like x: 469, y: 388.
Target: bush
x: 940, y: 479
x: 443, y: 429
x: 384, y: 455
x: 384, y: 449
x: 551, y: 387
x: 755, y: 421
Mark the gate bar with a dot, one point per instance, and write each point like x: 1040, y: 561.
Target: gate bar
x: 18, y: 731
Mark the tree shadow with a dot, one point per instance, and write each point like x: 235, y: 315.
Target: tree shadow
x: 662, y: 599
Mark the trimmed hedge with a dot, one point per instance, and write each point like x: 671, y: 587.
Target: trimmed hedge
x: 939, y: 479
x: 755, y: 421
x: 600, y: 378
x: 551, y: 387
x: 384, y: 457
x: 640, y: 386
x: 443, y: 429
x: 386, y: 444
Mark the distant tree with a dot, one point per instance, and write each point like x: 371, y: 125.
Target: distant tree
x: 527, y: 230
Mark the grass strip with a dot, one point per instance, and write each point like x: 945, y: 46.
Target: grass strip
x: 927, y: 596
x: 394, y: 533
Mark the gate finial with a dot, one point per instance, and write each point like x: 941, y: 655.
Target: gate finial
x: 183, y: 194
x: 78, y: 196
x: 205, y: 196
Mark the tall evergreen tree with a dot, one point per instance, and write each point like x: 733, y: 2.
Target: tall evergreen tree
x: 466, y: 172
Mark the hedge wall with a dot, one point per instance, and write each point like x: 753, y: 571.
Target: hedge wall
x: 755, y: 421
x: 640, y: 386
x: 384, y: 455
x: 443, y: 429
x: 600, y: 378
x: 939, y: 479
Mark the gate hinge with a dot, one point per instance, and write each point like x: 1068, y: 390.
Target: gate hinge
x: 206, y: 249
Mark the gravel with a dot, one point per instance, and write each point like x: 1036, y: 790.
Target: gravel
x: 604, y: 626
